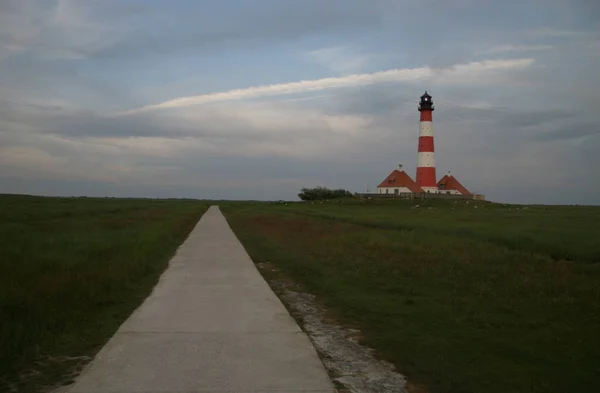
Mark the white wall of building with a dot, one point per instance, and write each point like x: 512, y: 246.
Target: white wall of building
x: 451, y: 192
x: 392, y: 190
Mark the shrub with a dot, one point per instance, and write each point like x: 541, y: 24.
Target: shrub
x: 320, y: 193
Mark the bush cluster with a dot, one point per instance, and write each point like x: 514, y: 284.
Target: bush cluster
x: 321, y: 193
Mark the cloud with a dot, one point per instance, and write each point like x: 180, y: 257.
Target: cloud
x: 271, y: 21
x: 228, y: 123
x: 224, y: 130
x: 65, y: 30
x: 470, y: 71
x: 518, y: 48
x: 576, y: 130
x: 509, y: 118
x: 239, y: 145
x: 339, y: 59
x: 32, y: 162
x: 556, y: 33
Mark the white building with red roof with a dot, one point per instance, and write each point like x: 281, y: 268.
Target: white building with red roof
x: 398, y: 182
x: 449, y: 185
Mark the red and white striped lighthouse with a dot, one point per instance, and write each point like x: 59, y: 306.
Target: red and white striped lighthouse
x: 426, y: 160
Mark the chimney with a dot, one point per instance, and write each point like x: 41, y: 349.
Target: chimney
x: 400, y: 168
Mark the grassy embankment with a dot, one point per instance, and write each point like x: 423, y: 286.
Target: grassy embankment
x: 493, y: 298
x: 71, y: 271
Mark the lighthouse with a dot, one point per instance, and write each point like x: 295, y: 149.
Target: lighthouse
x: 426, y: 160
x: 399, y: 184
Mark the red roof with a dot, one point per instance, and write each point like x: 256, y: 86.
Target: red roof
x: 449, y: 182
x: 400, y: 179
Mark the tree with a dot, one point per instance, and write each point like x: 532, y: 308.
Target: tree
x: 321, y: 193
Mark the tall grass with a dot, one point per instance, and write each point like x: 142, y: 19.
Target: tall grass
x: 72, y: 270
x: 460, y: 299
x: 560, y: 232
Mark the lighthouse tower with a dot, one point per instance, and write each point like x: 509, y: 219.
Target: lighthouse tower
x: 426, y: 160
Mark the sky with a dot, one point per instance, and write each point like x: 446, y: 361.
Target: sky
x: 255, y: 99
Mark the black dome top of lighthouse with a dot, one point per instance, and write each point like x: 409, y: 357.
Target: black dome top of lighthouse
x: 426, y: 104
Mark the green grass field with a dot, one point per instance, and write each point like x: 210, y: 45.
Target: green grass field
x: 71, y: 271
x: 461, y: 297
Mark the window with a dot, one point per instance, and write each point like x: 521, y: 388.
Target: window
x: 387, y: 190
x: 396, y: 191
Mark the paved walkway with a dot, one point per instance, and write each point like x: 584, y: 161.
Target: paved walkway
x: 212, y: 324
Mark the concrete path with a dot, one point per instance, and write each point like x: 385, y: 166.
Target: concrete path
x: 212, y: 324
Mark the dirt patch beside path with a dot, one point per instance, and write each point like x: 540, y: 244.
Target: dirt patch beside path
x: 352, y: 366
